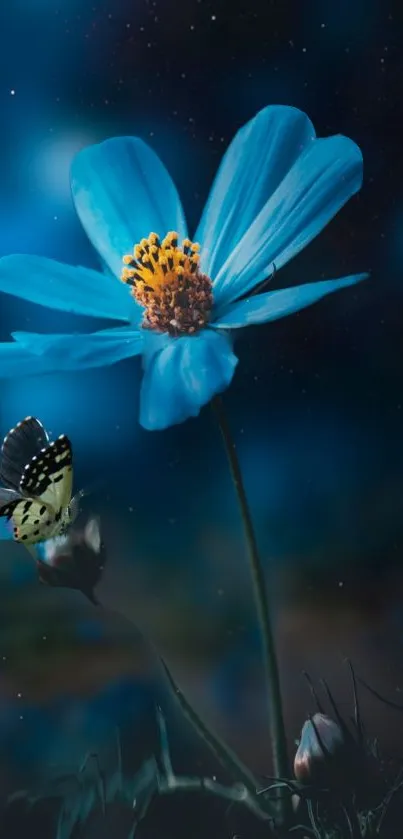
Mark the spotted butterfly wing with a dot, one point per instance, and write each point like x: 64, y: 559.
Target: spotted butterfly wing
x: 20, y: 445
x: 49, y: 475
x: 40, y: 508
x: 32, y: 521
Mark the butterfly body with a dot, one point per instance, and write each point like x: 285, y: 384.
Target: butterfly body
x: 38, y: 479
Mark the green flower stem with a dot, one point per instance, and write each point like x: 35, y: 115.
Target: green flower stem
x: 276, y: 720
x: 219, y: 749
x: 223, y: 754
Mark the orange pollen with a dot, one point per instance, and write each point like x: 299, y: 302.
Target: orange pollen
x: 166, y: 280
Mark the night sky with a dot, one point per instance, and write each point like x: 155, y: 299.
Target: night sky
x: 316, y: 405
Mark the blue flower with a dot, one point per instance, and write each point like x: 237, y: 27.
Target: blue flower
x: 276, y: 189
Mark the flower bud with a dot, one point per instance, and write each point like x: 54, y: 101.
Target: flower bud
x: 74, y: 560
x: 322, y: 752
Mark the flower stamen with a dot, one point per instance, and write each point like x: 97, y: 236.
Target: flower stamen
x: 166, y: 280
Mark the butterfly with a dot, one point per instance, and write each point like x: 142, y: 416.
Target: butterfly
x: 38, y: 480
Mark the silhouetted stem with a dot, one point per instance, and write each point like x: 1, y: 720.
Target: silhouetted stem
x: 171, y: 783
x: 313, y: 692
x: 237, y: 794
x: 225, y: 756
x: 396, y: 705
x: 221, y: 751
x: 357, y: 710
x: 276, y: 720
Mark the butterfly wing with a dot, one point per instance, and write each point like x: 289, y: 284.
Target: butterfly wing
x: 38, y: 510
x: 49, y: 475
x: 7, y: 496
x: 32, y: 521
x: 20, y: 445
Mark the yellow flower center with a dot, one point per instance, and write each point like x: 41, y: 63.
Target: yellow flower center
x: 166, y: 280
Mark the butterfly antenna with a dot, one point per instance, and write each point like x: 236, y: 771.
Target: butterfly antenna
x: 91, y: 489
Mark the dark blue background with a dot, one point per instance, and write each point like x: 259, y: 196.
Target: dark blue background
x: 316, y: 403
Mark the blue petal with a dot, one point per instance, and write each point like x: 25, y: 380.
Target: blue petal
x: 256, y: 162
x: 15, y: 361
x: 66, y: 287
x: 74, y: 352
x: 122, y: 192
x: 183, y: 376
x: 326, y: 175
x: 278, y: 304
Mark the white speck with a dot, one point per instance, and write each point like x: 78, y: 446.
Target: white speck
x: 21, y: 717
x: 183, y: 75
x: 214, y: 777
x: 12, y: 92
x: 341, y: 584
x: 19, y: 695
x: 55, y: 218
x: 4, y: 658
x: 192, y: 27
x: 44, y: 638
x: 322, y: 26
x: 213, y: 17
x: 303, y: 49
x: 127, y: 25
